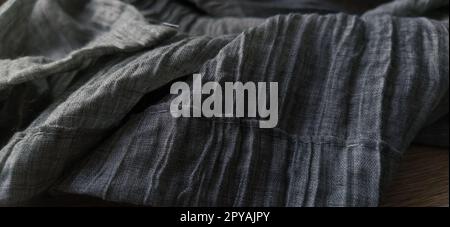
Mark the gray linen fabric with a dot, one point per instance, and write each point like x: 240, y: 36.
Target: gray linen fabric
x: 84, y: 102
x: 258, y: 8
x: 412, y: 8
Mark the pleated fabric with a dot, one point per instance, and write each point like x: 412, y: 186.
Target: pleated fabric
x: 85, y: 102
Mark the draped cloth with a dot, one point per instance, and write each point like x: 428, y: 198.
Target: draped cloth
x: 85, y: 101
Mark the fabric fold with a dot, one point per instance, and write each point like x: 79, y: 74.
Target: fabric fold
x: 85, y: 101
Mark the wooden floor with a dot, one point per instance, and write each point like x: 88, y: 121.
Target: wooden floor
x: 422, y: 179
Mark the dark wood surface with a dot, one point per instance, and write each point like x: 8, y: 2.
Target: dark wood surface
x: 421, y: 180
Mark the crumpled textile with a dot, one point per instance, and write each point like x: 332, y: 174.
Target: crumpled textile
x: 84, y: 101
